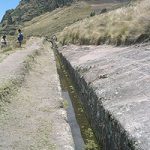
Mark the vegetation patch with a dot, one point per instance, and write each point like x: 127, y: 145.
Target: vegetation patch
x: 55, y: 21
x: 10, y: 86
x: 12, y: 46
x: 125, y: 25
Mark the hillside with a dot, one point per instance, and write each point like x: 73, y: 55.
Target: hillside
x: 30, y: 9
x: 27, y: 10
x: 55, y: 21
x: 126, y: 25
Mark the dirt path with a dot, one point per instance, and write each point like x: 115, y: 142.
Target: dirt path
x: 34, y: 120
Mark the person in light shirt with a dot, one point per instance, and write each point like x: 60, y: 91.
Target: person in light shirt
x: 3, y: 41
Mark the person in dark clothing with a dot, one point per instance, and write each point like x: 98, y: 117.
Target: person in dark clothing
x: 20, y: 37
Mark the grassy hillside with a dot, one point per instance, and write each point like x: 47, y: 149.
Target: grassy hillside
x: 122, y: 26
x: 56, y: 21
x: 26, y: 11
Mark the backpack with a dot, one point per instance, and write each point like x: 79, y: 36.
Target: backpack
x: 20, y: 37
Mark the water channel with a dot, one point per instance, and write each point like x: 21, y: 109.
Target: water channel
x: 82, y: 133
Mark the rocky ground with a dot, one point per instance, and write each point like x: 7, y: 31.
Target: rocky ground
x: 33, y: 117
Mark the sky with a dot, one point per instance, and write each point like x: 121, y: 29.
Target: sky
x: 7, y: 4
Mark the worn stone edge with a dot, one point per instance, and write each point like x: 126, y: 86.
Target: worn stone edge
x: 106, y: 127
x: 62, y: 112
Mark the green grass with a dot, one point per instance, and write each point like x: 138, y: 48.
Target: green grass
x: 125, y: 25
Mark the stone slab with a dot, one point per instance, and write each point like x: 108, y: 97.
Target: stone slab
x: 120, y: 77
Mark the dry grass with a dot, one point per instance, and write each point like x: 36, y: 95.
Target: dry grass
x: 122, y: 26
x: 57, y: 20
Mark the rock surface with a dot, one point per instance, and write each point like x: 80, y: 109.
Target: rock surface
x: 120, y: 78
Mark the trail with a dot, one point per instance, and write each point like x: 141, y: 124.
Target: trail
x: 34, y: 119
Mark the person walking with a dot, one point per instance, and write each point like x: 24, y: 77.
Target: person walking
x: 3, y: 41
x: 20, y: 37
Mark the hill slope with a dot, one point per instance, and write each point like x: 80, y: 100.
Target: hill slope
x: 27, y: 10
x: 57, y: 20
x: 122, y: 26
x: 30, y: 9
